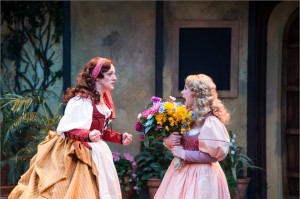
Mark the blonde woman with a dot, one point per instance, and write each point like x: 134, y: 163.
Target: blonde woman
x: 200, y: 149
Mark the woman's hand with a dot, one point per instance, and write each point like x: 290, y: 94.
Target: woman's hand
x: 127, y: 138
x: 178, y: 152
x: 172, y: 140
x: 95, y: 135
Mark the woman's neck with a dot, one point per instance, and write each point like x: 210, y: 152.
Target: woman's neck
x: 101, y: 101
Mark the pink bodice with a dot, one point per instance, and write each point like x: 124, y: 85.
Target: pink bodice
x: 190, y: 143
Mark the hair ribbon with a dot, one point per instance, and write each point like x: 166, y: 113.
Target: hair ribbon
x: 97, y: 68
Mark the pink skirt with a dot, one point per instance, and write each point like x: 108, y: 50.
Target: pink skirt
x: 194, y: 181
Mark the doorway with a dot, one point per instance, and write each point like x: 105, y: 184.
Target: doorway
x: 290, y: 108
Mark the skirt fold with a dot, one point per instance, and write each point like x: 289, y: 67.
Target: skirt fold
x: 61, y: 168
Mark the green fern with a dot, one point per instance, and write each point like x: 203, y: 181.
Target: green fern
x: 27, y: 119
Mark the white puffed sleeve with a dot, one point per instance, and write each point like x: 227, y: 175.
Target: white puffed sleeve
x: 214, y: 138
x: 78, y: 115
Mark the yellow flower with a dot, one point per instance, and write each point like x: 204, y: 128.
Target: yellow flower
x: 160, y: 118
x: 172, y: 121
x: 182, y: 130
x: 167, y: 128
x: 170, y: 108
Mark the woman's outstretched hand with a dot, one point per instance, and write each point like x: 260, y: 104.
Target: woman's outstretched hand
x: 95, y: 135
x: 127, y: 138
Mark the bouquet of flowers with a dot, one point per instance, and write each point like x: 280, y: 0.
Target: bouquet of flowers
x: 161, y: 118
x: 125, y: 166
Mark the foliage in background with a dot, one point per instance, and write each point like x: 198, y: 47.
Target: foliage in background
x: 153, y: 161
x: 24, y: 128
x: 34, y: 27
x: 126, y: 166
x: 31, y: 32
x: 236, y: 163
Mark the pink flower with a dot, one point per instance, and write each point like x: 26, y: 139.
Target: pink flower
x: 139, y: 127
x: 155, y: 99
x: 146, y: 112
x: 142, y: 137
x: 151, y: 111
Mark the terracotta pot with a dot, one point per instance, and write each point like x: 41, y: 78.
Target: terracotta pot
x: 5, y: 191
x: 127, y: 194
x: 4, y: 175
x: 243, y: 186
x: 153, y: 185
x: 4, y: 172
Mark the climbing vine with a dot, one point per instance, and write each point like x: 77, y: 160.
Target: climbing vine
x: 31, y: 31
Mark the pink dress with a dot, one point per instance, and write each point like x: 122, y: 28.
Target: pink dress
x: 199, y: 180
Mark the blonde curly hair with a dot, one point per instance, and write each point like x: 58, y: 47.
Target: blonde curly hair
x: 206, y: 98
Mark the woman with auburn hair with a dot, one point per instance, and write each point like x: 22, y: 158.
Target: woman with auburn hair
x: 74, y: 161
x: 200, y: 149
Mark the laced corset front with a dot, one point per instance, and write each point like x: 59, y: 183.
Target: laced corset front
x: 190, y: 142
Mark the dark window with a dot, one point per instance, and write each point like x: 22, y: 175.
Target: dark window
x: 206, y: 51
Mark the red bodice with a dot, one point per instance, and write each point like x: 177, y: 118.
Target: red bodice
x: 99, y: 122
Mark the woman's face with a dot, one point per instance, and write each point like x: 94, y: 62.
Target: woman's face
x: 187, y: 94
x: 107, y: 83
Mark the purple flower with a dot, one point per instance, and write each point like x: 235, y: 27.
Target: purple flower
x: 158, y: 127
x: 133, y: 163
x: 116, y: 156
x: 139, y: 127
x: 155, y: 99
x: 128, y: 157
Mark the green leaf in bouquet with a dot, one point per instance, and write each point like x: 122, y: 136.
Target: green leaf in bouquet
x: 150, y: 122
x: 147, y: 129
x: 163, y: 133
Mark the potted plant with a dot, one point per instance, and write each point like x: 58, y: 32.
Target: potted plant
x: 235, y: 166
x: 126, y: 169
x: 152, y: 164
x: 26, y: 120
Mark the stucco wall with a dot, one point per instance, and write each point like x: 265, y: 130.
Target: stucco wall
x: 125, y: 32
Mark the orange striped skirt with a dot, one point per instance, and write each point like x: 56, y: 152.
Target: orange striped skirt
x: 61, y: 168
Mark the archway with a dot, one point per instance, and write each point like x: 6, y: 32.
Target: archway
x: 279, y: 19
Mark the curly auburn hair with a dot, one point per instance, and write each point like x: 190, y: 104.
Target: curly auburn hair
x: 85, y: 83
x: 206, y: 98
